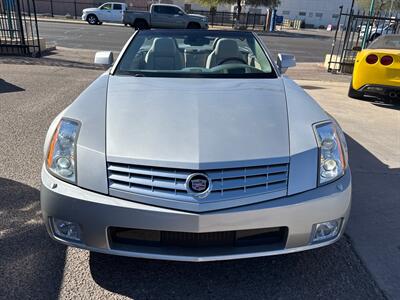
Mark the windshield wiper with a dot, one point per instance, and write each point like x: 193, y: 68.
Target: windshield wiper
x: 130, y: 73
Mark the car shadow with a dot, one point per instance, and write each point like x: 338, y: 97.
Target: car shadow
x: 6, y: 87
x: 312, y: 87
x: 373, y: 226
x: 395, y: 106
x: 260, y: 278
x: 31, y: 263
x: 330, y: 272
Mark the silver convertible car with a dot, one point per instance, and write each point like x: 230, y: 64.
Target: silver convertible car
x: 194, y: 147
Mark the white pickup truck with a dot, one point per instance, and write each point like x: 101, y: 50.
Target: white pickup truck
x: 107, y: 12
x: 159, y: 16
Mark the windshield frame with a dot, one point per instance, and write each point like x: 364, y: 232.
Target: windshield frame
x: 158, y: 74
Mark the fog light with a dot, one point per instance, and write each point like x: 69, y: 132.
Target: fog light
x: 66, y: 229
x: 325, y: 231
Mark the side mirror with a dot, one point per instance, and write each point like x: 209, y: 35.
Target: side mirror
x: 285, y: 61
x: 357, y: 48
x: 105, y: 58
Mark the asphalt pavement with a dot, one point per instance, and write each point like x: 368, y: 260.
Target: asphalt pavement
x: 362, y: 265
x: 307, y: 46
x: 35, y: 267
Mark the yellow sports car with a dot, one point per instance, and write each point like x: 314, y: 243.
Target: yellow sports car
x: 377, y: 70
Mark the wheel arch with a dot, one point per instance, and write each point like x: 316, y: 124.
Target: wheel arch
x: 91, y: 14
x: 193, y: 24
x: 140, y: 20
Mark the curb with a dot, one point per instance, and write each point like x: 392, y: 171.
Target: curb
x: 17, y: 60
x: 74, y: 21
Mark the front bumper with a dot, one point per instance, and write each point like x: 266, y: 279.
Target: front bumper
x: 96, y: 213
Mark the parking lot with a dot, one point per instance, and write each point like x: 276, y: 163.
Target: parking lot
x: 362, y: 265
x: 308, y: 46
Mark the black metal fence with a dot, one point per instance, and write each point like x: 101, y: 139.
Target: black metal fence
x: 247, y: 20
x: 73, y: 9
x: 19, y: 34
x: 355, y: 31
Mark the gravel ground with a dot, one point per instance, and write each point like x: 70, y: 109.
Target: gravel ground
x: 34, y: 267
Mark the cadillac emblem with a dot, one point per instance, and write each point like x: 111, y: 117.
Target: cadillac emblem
x: 198, y: 184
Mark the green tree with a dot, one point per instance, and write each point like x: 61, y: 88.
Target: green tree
x: 239, y: 4
x: 380, y: 5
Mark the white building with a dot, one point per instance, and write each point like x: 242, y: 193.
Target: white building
x: 314, y: 12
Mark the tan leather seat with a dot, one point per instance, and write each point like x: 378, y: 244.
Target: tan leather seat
x: 164, y: 55
x: 224, y: 49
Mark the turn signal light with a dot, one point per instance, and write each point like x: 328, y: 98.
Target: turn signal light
x: 372, y: 59
x: 386, y: 60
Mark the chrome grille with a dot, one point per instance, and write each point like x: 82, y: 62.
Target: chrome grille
x: 170, y: 183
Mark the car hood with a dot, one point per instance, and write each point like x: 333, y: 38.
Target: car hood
x: 197, y: 16
x: 91, y: 9
x: 195, y: 123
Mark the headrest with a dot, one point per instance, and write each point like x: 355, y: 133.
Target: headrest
x: 163, y: 46
x: 227, y: 48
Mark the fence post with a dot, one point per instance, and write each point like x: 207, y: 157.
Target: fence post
x: 268, y: 20
x: 334, y: 38
x: 39, y: 53
x: 51, y: 9
x: 265, y: 22
x: 346, y: 39
x: 247, y: 19
x: 366, y: 32
x: 75, y: 12
x: 272, y: 20
x: 20, y: 26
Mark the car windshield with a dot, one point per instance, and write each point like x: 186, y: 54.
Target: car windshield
x: 386, y: 42
x: 195, y: 53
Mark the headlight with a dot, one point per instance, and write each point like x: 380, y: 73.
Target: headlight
x: 333, y: 151
x: 61, y: 157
